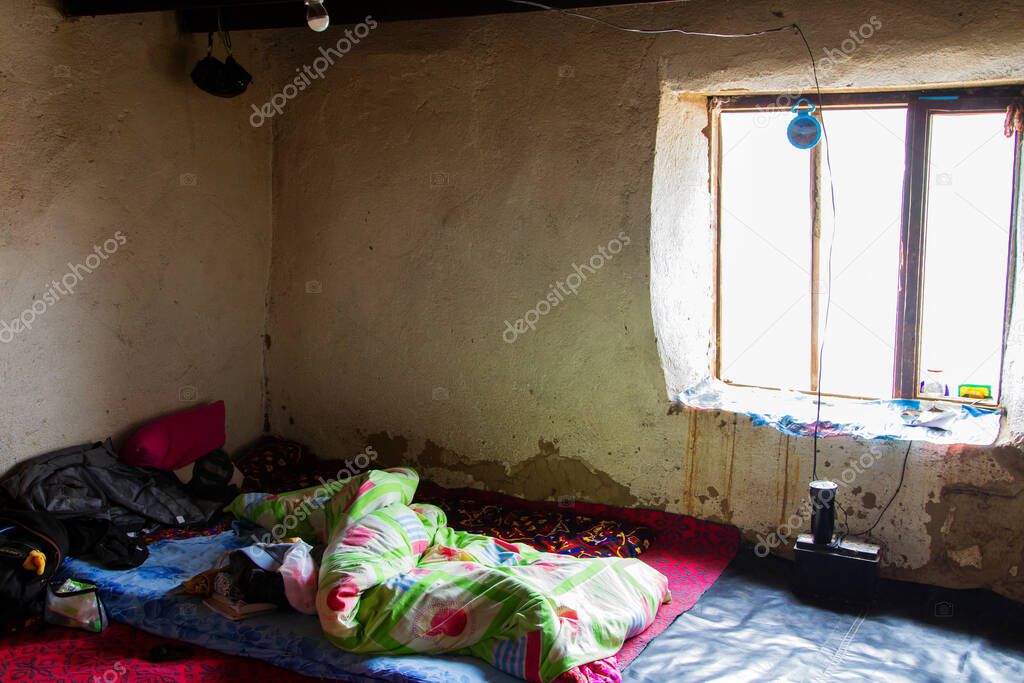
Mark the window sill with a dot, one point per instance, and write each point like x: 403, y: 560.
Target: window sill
x: 794, y: 414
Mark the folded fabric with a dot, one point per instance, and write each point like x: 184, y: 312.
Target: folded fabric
x: 396, y: 579
x: 274, y: 465
x: 177, y: 440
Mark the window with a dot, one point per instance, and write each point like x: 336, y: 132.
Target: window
x: 925, y: 187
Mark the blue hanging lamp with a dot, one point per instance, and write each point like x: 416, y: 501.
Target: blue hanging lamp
x: 804, y: 131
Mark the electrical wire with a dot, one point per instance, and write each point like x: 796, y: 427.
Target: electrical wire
x: 828, y: 307
x: 840, y: 537
x: 896, y: 492
x: 652, y: 31
x: 831, y: 248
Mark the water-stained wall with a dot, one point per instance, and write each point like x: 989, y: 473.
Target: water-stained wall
x: 464, y: 255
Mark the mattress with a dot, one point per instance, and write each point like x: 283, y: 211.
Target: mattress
x: 143, y: 597
x: 690, y: 552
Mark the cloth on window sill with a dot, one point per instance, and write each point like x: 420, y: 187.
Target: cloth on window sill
x: 794, y: 414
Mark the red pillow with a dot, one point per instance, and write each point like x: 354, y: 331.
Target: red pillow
x: 177, y: 440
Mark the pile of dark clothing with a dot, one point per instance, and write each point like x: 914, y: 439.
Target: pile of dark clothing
x: 89, y: 482
x: 90, y: 503
x: 261, y: 577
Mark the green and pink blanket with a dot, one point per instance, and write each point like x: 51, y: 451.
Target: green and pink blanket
x: 395, y: 579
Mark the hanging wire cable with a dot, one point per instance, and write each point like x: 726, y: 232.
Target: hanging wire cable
x: 831, y: 248
x: 899, y: 485
x: 651, y: 31
x: 828, y: 306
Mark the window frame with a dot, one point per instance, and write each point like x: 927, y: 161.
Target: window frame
x: 921, y: 105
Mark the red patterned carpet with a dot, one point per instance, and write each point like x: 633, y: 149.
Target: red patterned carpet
x: 119, y: 655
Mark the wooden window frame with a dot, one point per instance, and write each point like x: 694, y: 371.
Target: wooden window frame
x: 921, y: 106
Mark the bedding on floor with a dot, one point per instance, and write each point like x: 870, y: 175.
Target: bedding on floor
x: 396, y: 579
x: 144, y: 597
x: 691, y: 553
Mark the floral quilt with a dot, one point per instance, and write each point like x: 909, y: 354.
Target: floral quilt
x: 397, y: 580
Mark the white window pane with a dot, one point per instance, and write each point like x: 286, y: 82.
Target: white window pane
x: 970, y: 179
x: 867, y: 149
x: 765, y: 253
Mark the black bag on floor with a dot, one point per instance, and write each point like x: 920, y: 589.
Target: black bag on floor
x: 32, y: 546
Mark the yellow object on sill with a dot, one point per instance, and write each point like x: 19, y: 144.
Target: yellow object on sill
x: 977, y: 391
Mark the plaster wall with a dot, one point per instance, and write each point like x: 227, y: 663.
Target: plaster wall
x: 430, y: 191
x: 103, y: 135
x: 444, y: 176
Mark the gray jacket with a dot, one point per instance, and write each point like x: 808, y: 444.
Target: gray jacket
x: 89, y: 481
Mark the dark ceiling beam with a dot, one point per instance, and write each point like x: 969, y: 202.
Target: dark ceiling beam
x: 83, y: 8
x: 200, y: 16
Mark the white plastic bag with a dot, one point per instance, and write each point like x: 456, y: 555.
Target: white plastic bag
x: 299, y: 571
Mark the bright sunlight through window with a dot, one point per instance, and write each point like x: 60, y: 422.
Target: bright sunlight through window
x: 918, y: 268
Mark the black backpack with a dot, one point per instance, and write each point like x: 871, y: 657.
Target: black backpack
x: 23, y: 591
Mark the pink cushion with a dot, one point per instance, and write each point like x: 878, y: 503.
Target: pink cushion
x: 177, y: 440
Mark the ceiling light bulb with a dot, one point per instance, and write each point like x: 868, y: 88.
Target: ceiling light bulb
x: 316, y: 15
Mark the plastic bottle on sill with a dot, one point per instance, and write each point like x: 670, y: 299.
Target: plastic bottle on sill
x: 934, y: 385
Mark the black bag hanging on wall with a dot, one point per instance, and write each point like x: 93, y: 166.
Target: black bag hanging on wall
x: 32, y: 546
x: 223, y: 79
